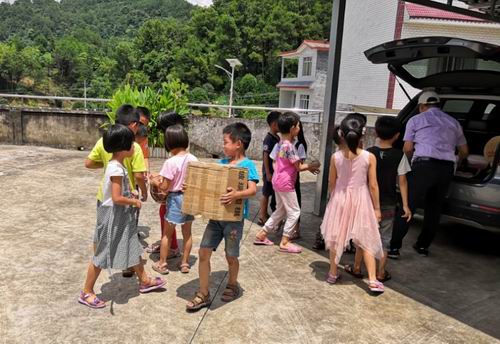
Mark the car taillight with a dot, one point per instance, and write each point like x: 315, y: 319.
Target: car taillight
x: 483, y: 207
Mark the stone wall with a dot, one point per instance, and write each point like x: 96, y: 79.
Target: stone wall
x: 51, y: 127
x: 74, y: 129
x: 205, y: 134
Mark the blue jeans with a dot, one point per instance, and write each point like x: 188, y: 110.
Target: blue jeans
x: 231, y: 232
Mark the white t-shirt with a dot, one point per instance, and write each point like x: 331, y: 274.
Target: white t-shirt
x: 114, y: 169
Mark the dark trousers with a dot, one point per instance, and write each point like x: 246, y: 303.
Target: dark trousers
x: 428, y: 183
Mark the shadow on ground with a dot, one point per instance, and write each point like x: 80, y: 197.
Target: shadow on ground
x: 460, y: 278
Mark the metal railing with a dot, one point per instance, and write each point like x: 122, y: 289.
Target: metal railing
x: 307, y: 115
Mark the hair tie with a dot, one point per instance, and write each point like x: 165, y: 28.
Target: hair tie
x: 363, y: 131
x: 339, y: 132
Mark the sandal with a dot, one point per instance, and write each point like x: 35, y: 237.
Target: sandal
x: 154, y: 283
x: 162, y: 270
x: 96, y: 303
x: 198, y: 302
x: 350, y: 270
x: 376, y: 287
x: 265, y: 242
x: 154, y: 248
x: 128, y: 273
x: 290, y: 248
x: 332, y: 279
x: 184, y: 268
x: 387, y: 276
x: 230, y: 293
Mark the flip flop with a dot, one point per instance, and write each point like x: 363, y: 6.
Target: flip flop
x: 265, y: 242
x: 290, y: 248
x: 350, y: 270
x: 376, y: 287
x: 158, y: 282
x: 95, y: 304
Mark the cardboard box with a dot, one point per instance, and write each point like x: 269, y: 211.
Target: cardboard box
x: 206, y: 183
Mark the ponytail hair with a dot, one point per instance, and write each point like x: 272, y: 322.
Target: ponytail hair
x: 352, y: 129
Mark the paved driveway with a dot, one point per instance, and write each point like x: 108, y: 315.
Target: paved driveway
x: 48, y: 214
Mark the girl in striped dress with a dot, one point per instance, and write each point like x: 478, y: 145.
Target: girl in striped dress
x: 116, y: 244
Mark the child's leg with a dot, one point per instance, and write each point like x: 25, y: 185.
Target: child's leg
x: 292, y: 209
x: 92, y: 275
x: 204, y: 269
x: 233, y: 264
x: 275, y: 219
x: 141, y: 274
x: 381, y: 268
x: 163, y: 211
x: 358, y: 259
x: 166, y: 239
x: 264, y: 202
x: 370, y: 265
x: 333, y: 265
x: 188, y: 242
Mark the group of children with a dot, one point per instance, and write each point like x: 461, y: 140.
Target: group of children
x: 362, y: 188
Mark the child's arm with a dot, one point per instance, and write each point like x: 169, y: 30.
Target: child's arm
x: 403, y: 187
x: 139, y: 178
x: 93, y: 165
x: 372, y: 181
x: 233, y: 195
x: 116, y: 194
x: 332, y: 177
x: 267, y: 168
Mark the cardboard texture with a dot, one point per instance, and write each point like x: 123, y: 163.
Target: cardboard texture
x: 206, y: 183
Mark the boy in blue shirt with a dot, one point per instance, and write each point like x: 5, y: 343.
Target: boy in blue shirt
x: 237, y: 139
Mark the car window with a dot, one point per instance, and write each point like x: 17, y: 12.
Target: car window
x: 429, y: 66
x: 458, y: 108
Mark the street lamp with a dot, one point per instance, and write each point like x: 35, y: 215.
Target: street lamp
x: 233, y: 63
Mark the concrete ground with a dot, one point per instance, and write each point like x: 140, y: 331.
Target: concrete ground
x: 48, y: 217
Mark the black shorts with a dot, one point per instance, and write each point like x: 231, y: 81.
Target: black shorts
x: 267, y: 188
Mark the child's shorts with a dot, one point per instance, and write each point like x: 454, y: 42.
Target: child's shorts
x: 386, y: 225
x: 174, y: 213
x: 231, y: 232
x: 267, y: 188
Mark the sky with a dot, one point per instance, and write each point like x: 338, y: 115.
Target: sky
x: 196, y: 2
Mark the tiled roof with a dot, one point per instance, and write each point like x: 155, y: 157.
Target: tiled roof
x: 295, y: 84
x: 316, y: 45
x: 423, y: 12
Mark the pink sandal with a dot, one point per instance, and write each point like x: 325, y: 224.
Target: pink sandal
x: 155, y: 283
x: 265, y: 242
x: 95, y: 304
x: 376, y: 287
x: 290, y: 248
x: 331, y: 279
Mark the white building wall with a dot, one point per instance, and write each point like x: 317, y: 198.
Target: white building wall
x: 489, y: 33
x: 367, y: 24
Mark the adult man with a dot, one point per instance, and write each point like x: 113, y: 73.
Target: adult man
x: 431, y: 139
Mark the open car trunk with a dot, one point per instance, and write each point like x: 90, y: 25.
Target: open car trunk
x: 442, y: 63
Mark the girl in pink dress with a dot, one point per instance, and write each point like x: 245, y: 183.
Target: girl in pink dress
x: 353, y: 211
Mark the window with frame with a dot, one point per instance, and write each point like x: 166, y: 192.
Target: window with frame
x: 304, y: 101
x: 307, y: 66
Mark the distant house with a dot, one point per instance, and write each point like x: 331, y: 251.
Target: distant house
x: 369, y: 23
x: 303, y: 76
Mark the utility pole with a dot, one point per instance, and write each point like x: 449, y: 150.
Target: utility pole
x: 85, y: 93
